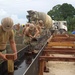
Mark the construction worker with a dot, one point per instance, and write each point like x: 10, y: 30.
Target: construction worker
x: 17, y: 30
x: 41, y: 24
x: 7, y: 34
x: 26, y: 40
x: 30, y: 38
x: 31, y: 34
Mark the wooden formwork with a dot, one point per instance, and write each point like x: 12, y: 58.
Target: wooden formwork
x: 10, y: 63
x: 63, y: 38
x: 58, y: 44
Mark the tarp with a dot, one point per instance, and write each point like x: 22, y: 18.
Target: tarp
x: 73, y: 32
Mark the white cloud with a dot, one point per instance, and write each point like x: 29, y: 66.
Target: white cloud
x: 17, y: 20
x: 18, y: 9
x: 3, y: 14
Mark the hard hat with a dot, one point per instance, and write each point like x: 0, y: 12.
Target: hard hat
x: 7, y: 24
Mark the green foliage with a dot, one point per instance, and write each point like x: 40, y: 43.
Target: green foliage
x: 54, y: 13
x: 67, y: 10
x: 64, y: 12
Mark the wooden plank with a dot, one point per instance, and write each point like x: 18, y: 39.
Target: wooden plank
x: 72, y: 44
x: 64, y: 35
x: 10, y: 63
x: 41, y: 67
x: 49, y: 39
x: 10, y: 66
x: 49, y: 58
x: 49, y: 48
x: 59, y: 40
x: 59, y: 35
x: 63, y: 39
x: 71, y: 35
x: 59, y: 51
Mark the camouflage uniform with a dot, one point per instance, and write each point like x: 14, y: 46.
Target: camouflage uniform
x: 28, y: 40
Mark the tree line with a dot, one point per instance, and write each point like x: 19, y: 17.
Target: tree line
x: 64, y: 12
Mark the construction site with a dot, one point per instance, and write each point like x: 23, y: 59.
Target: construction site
x: 56, y: 51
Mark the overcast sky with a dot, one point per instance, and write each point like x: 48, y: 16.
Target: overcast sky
x: 17, y: 9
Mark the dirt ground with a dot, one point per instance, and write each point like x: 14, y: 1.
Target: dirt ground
x: 60, y: 68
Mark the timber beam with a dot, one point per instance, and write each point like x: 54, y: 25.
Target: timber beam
x: 63, y: 39
x: 60, y: 35
x: 50, y: 58
x: 71, y: 44
x: 10, y: 63
x: 50, y: 48
x: 59, y: 51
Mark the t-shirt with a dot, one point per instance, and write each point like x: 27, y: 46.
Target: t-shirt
x: 5, y: 37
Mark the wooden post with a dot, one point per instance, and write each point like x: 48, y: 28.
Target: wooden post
x: 10, y: 63
x: 49, y: 39
x: 41, y: 67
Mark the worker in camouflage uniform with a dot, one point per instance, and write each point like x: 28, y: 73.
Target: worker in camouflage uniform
x: 30, y: 35
x: 30, y: 38
x: 7, y: 34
